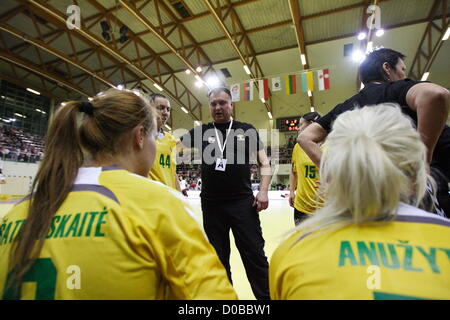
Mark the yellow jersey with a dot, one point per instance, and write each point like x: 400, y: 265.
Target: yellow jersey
x: 118, y: 235
x: 165, y: 167
x: 408, y: 258
x: 306, y: 198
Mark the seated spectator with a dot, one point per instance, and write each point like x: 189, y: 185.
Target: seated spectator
x: 369, y: 241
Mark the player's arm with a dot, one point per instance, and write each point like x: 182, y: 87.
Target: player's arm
x: 432, y: 104
x: 265, y: 172
x: 180, y: 146
x: 309, y: 140
x: 189, y: 263
x: 293, y: 186
x: 177, y: 183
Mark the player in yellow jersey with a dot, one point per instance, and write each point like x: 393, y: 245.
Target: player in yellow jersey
x: 165, y: 167
x: 304, y: 177
x: 369, y: 240
x: 95, y: 227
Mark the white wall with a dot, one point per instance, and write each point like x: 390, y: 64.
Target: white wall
x: 19, y: 177
x: 11, y: 168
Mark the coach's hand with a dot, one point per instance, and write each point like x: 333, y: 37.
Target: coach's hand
x: 261, y: 201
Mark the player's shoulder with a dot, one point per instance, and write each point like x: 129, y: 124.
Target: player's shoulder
x: 160, y: 198
x: 409, y: 213
x: 169, y: 136
x: 286, y: 246
x: 145, y: 183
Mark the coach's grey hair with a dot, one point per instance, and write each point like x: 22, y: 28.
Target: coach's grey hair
x: 374, y: 159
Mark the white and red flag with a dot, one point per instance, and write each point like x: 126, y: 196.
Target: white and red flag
x: 263, y: 89
x: 324, y: 79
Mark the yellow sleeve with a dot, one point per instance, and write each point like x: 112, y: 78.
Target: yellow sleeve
x: 277, y: 268
x: 188, y: 261
x: 294, y: 155
x: 173, y: 145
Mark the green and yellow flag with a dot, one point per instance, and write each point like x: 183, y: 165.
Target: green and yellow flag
x: 291, y: 84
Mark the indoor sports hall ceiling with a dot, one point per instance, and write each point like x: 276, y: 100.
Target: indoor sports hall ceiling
x: 140, y: 43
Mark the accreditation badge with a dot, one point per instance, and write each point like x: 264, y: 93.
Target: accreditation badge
x: 221, y: 164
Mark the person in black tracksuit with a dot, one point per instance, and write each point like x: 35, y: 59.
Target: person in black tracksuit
x: 228, y: 147
x: 427, y: 104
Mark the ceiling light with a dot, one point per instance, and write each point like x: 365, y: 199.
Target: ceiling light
x: 312, y: 109
x: 269, y: 114
x: 213, y: 82
x: 120, y: 86
x: 169, y: 128
x: 33, y: 91
x: 63, y: 103
x: 158, y: 87
x: 358, y: 56
x: 197, y: 123
x: 446, y: 35
x: 379, y: 32
x: 20, y: 115
x: 263, y: 100
x: 90, y: 99
x: 198, y: 69
x: 309, y: 93
x: 247, y: 70
x: 184, y: 110
x: 303, y: 58
x: 198, y: 78
x: 425, y: 76
x: 188, y: 71
x: 362, y: 36
x: 198, y: 84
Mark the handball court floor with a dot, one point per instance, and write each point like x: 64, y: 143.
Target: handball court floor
x: 275, y: 222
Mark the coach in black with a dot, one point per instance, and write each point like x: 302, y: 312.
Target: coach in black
x: 228, y: 148
x: 427, y: 104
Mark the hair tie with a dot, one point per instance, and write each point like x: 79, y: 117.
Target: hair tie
x: 86, y: 107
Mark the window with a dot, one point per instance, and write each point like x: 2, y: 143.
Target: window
x: 18, y: 109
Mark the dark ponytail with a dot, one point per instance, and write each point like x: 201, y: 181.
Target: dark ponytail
x: 54, y: 180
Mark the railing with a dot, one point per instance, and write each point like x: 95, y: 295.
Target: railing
x: 23, y: 158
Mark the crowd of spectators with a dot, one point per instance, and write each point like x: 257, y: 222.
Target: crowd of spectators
x: 191, y: 174
x: 17, y: 145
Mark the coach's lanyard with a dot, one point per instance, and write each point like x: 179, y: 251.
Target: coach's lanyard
x: 222, y: 148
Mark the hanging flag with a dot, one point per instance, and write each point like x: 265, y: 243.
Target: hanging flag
x: 324, y: 79
x: 235, y: 92
x: 307, y: 81
x: 291, y: 84
x: 276, y: 84
x: 248, y: 91
x: 263, y: 89
x: 304, y: 83
x: 310, y: 81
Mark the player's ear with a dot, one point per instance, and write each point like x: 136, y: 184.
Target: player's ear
x: 386, y: 68
x: 139, y: 134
